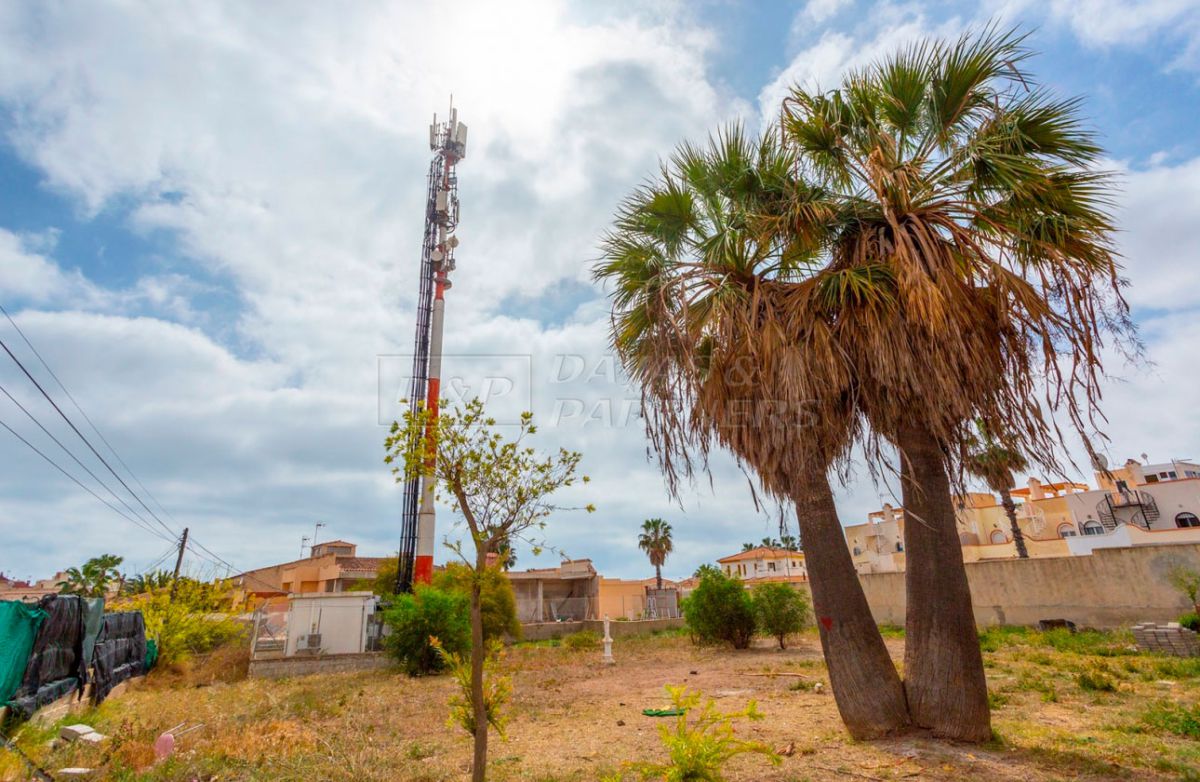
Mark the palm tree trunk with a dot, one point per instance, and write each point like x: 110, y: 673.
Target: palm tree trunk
x: 658, y: 574
x: 479, y: 761
x: 866, y: 687
x: 943, y: 667
x: 1010, y: 508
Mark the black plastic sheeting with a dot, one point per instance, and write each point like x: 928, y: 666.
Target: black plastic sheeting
x: 120, y: 652
x: 56, y: 663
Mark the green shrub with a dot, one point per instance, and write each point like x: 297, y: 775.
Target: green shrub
x: 1191, y: 621
x: 417, y: 618
x: 497, y: 600
x: 1174, y: 718
x: 780, y: 610
x: 720, y: 610
x: 185, y: 625
x: 703, y: 741
x: 582, y: 641
x: 1096, y: 679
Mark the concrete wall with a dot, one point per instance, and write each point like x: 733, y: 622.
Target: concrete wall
x: 541, y: 631
x: 1111, y: 588
x: 303, y: 666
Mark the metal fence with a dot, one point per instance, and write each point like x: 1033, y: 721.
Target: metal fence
x: 563, y: 609
x: 660, y: 606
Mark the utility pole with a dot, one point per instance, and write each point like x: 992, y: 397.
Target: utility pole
x: 316, y: 529
x: 179, y: 561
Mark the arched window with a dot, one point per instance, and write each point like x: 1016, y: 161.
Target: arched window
x: 1186, y: 519
x: 998, y: 536
x: 1092, y: 528
x: 1067, y: 531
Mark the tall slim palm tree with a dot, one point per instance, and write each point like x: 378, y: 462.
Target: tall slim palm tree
x: 655, y: 540
x: 970, y: 252
x: 700, y: 277
x: 994, y: 462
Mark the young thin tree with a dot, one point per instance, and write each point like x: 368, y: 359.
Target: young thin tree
x: 655, y: 540
x: 500, y: 487
x: 995, y: 463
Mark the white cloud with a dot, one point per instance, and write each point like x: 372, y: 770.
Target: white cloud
x: 285, y: 150
x: 817, y: 11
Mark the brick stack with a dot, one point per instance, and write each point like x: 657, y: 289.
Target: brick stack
x: 1170, y: 638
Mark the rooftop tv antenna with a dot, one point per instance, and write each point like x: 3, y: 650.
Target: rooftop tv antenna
x: 448, y: 142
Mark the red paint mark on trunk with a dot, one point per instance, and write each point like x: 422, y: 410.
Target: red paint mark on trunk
x: 827, y: 623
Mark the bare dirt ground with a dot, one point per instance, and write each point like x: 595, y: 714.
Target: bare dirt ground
x: 573, y: 718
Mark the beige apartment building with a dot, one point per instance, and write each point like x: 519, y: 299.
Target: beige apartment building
x: 765, y: 563
x: 1134, y: 505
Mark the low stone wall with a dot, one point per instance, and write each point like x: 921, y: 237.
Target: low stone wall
x: 287, y: 667
x: 1114, y: 587
x: 632, y: 627
x: 542, y: 631
x: 1167, y: 639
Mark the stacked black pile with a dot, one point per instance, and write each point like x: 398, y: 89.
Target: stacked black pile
x: 56, y: 664
x: 120, y: 652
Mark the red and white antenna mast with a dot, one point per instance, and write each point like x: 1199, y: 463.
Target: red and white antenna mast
x: 448, y: 141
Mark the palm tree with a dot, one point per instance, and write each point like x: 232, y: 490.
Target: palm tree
x: 655, y: 540
x: 970, y: 251
x: 93, y: 578
x: 748, y: 547
x: 701, y: 320
x: 995, y: 463
x: 789, y: 543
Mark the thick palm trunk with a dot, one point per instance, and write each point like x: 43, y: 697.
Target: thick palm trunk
x: 658, y: 575
x: 479, y: 762
x: 943, y: 667
x: 1010, y: 508
x: 866, y: 687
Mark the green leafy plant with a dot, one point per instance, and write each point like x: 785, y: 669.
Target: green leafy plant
x: 186, y: 624
x: 1096, y: 679
x: 497, y: 601
x: 497, y: 689
x: 582, y: 641
x: 1177, y: 718
x: 720, y: 610
x: 780, y: 610
x: 425, y: 614
x: 1187, y: 581
x: 702, y: 741
x: 1190, y: 620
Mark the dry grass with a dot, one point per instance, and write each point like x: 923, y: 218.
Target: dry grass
x: 574, y: 719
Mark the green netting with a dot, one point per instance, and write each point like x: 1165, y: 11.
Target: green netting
x: 93, y: 619
x: 151, y: 654
x: 18, y: 627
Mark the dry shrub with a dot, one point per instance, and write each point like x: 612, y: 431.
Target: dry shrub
x: 276, y: 738
x: 229, y: 663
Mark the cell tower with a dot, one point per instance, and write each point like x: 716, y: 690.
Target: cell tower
x: 448, y: 141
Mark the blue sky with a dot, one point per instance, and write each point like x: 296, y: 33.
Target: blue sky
x: 210, y: 221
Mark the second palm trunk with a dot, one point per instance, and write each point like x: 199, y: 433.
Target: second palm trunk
x: 943, y: 666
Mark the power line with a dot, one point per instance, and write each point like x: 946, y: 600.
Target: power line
x: 87, y: 442
x: 56, y: 466
x: 86, y: 417
x: 193, y: 543
x: 68, y: 452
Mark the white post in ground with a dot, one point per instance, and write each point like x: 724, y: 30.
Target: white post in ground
x: 608, y: 658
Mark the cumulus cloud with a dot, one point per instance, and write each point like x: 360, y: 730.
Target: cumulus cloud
x: 285, y: 150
